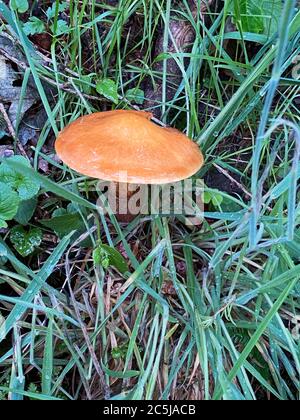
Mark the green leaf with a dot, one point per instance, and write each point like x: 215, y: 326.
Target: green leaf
x: 17, y: 383
x: 272, y: 11
x: 61, y: 27
x: 108, y: 89
x: 49, y: 185
x: 161, y: 57
x: 249, y: 15
x: 207, y: 197
x: 217, y: 199
x: 135, y: 95
x: 257, y: 17
x: 229, y: 205
x: 47, y: 371
x: 3, y: 224
x: 25, y: 242
x: 26, y: 211
x: 212, y: 197
x: 34, y: 26
x: 64, y: 223
x: 59, y: 212
x: 9, y: 203
x: 50, y: 13
x: 121, y: 374
x: 106, y: 256
x: 85, y: 83
x: 20, y: 6
x: 26, y: 186
x: 101, y: 257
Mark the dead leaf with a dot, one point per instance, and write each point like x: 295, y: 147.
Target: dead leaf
x: 11, y: 82
x: 6, y: 151
x: 3, y: 125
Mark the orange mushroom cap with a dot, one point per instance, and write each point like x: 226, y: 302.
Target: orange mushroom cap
x: 106, y: 144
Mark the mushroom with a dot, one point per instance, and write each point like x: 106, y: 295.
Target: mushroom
x: 127, y: 147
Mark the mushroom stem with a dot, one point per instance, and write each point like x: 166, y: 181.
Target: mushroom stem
x: 124, y: 192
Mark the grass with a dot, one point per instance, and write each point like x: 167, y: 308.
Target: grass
x: 205, y: 313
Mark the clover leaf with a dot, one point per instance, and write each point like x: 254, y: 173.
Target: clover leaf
x: 214, y: 197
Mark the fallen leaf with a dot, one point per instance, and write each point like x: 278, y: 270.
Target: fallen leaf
x: 6, y: 151
x: 11, y: 82
x: 31, y: 126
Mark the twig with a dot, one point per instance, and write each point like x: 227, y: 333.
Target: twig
x: 234, y: 181
x: 62, y: 86
x: 65, y: 86
x: 12, y: 130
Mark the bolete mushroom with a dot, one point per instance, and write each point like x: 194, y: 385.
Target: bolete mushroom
x: 108, y: 145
